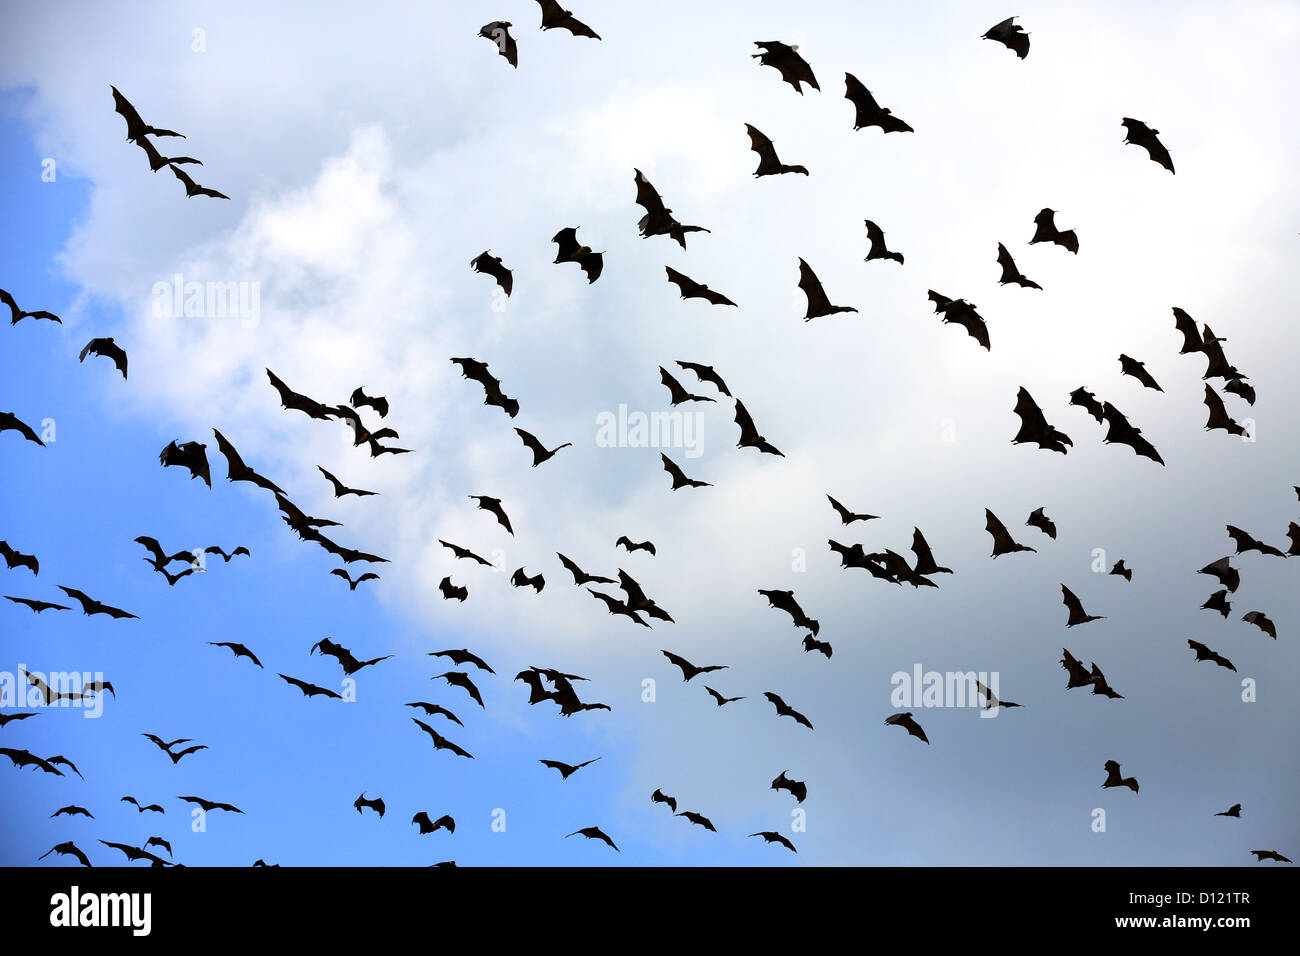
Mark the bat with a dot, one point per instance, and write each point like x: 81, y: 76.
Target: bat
x: 233, y: 554
x: 1113, y: 778
x: 1186, y: 325
x: 440, y: 742
x: 1203, y: 653
x: 478, y: 371
x: 768, y: 162
x: 67, y: 848
x: 1217, y: 365
x: 796, y: 788
x: 363, y: 802
x: 160, y: 558
x: 1238, y: 387
x: 785, y: 59
x: 749, y: 436
x: 1218, y: 601
x: 98, y: 687
x: 1034, y: 427
x: 690, y: 289
x: 771, y: 836
x: 1122, y: 571
x: 192, y: 188
x: 991, y: 701
x: 1003, y: 543
x: 1039, y: 520
x: 1045, y: 230
x: 618, y: 607
x: 16, y: 559
x: 352, y: 583
x: 90, y: 606
x: 64, y: 761
x: 593, y: 833
x: 450, y: 591
x: 49, y: 695
x: 867, y: 112
x: 688, y: 669
x: 134, y: 853
x: 719, y: 699
x: 341, y: 489
x: 962, y: 313
x: 491, y: 265
x: 11, y: 422
x: 462, y: 680
x: 878, y: 250
x: 444, y: 822
x: 1122, y: 433
x: 1088, y: 402
x: 568, y: 249
x: 521, y: 580
x: 784, y: 601
x: 1261, y: 621
x: 1101, y: 686
x: 705, y: 373
x: 347, y: 661
x: 493, y: 506
x: 1010, y: 35
x: 25, y: 758
x: 1131, y: 366
x: 462, y: 657
x: 432, y: 710
x: 679, y: 477
x: 173, y: 578
x: 176, y: 757
x: 658, y: 219
x: 239, y: 650
x: 905, y: 721
x: 460, y: 552
x: 925, y: 563
x: 811, y: 643
x: 1292, y: 532
x: 566, y: 769
x: 1075, y: 607
x: 166, y: 745
x: 1078, y: 675
x: 1218, y: 414
x: 676, y: 393
x: 295, y: 401
x: 310, y: 690
x: 16, y: 314
x: 698, y: 819
x: 1010, y: 274
x: 638, y: 600
x: 785, y: 710
x: 1246, y: 542
x: 498, y: 31
x: 296, y: 519
x: 847, y: 516
x: 1140, y: 134
x: 136, y: 128
x: 818, y: 303
x: 628, y: 544
x: 555, y: 16
x: 540, y: 452
x: 1232, y: 811
x: 157, y: 160
x: 159, y: 842
x: 192, y: 455
x: 151, y: 808
x: 5, y: 718
x: 1262, y: 855
x: 109, y: 350
x: 660, y: 797
x: 360, y: 399
x: 1226, y: 574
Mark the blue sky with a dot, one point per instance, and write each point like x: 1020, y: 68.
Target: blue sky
x: 360, y: 192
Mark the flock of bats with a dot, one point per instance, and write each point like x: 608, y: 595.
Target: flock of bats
x: 550, y: 685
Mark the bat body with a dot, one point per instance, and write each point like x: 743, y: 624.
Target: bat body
x: 191, y: 455
x: 867, y: 112
x: 9, y: 422
x: 719, y: 699
x: 444, y: 822
x: 1120, y: 432
x: 67, y: 848
x: 1010, y: 35
x: 629, y: 545
x: 1038, y: 519
x: 462, y: 680
x: 906, y: 721
x: 796, y: 788
x: 209, y: 805
x: 784, y: 601
x: 811, y: 643
x: 818, y: 303
x: 1122, y: 571
x: 360, y: 399
x: 847, y: 516
x: 768, y: 162
x: 658, y: 219
x: 1131, y: 366
x: 16, y: 314
x: 878, y: 250
x: 705, y: 373
x: 540, y: 452
x: 1226, y: 574
x: 566, y: 769
x: 690, y: 289
x: 440, y: 742
x: 556, y: 17
x: 109, y: 350
x: 1003, y: 543
x: 581, y: 577
x: 460, y: 552
x: 491, y: 265
x: 1075, y: 607
x: 17, y: 559
x: 1261, y: 621
x: 353, y: 582
x: 90, y: 606
x: 771, y: 836
x: 689, y: 670
x: 376, y: 804
x: 451, y: 591
x: 785, y: 710
x: 1262, y: 855
x: 1185, y: 325
x: 239, y: 650
x: 1247, y: 542
x: 1088, y: 402
x: 493, y: 507
x: 432, y: 710
x: 1232, y: 811
x: 568, y: 249
x: 660, y: 797
x: 698, y: 819
x: 1140, y: 134
x: 1034, y: 428
x: 136, y: 128
x: 962, y: 313
x: 618, y: 607
x: 1045, y: 230
x: 1218, y: 601
x: 679, y: 477
x: 1113, y: 778
x: 349, y: 663
x: 785, y: 59
x: 1203, y: 653
x: 593, y: 833
x: 341, y: 489
x: 749, y: 436
x: 310, y: 690
x: 498, y: 31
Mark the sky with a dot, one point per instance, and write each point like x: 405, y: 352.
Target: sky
x: 370, y: 153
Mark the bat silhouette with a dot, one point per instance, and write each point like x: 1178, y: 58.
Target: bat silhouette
x: 593, y: 833
x: 1247, y: 542
x: 1226, y: 574
x: 462, y: 680
x: 1218, y: 601
x: 173, y: 578
x: 628, y: 544
x: 1218, y: 414
x: 353, y: 582
x: 771, y: 836
x: 878, y: 250
x: 192, y: 455
x: 160, y: 558
x: 440, y: 742
x: 347, y: 661
x: 134, y: 853
x: 493, y: 506
x: 676, y: 393
x: 905, y: 720
x: 341, y: 489
x: 705, y: 373
x: 847, y: 516
x: 1088, y: 402
x: 1232, y: 811
x: 1238, y: 387
x: 719, y: 699
x: 364, y: 802
x: 566, y: 769
x: 1045, y: 231
x: 1217, y: 365
x: 90, y: 606
x: 25, y: 758
x: 192, y: 188
x: 49, y: 695
x: 491, y: 265
x: 1113, y: 778
x: 1122, y: 571
x: 1261, y: 621
x: 1131, y: 366
x: 225, y: 557
x: 1262, y: 855
x: 238, y: 471
x: 690, y: 289
x: 239, y: 650
x: 1039, y: 520
x: 784, y: 601
x: 658, y: 219
x: 962, y: 313
x: 1010, y: 35
x: 450, y: 591
x: 464, y: 553
x: 768, y: 162
x: 432, y: 710
x: 310, y: 690
x: 698, y: 819
x: 16, y: 559
x: 1140, y: 134
x: 568, y: 249
x: 498, y: 31
x: 818, y: 303
x: 296, y: 401
x: 209, y: 805
x: 580, y: 576
x: 1100, y: 684
x: 1003, y: 543
x: 5, y: 718
x: 991, y: 701
x: 11, y: 422
x: 1010, y: 274
x: 540, y: 451
x: 360, y: 399
x: 176, y: 757
x: 785, y: 710
x: 637, y: 599
x: 1078, y: 675
x: 1292, y: 532
x: 109, y: 350
x: 157, y: 160
x: 1203, y: 653
x: 796, y: 788
x: 1075, y: 607
x: 867, y: 111
x: 151, y: 808
x: 520, y: 580
x: 785, y: 59
x: 618, y: 607
x: 1034, y: 427
x: 67, y: 848
x: 688, y: 669
x: 555, y: 16
x: 811, y: 643
x: 1186, y: 325
x: 749, y: 436
x: 679, y: 477
x: 159, y: 842
x: 444, y: 822
x: 660, y: 797
x: 136, y: 128
x: 16, y: 314
x: 1120, y: 432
